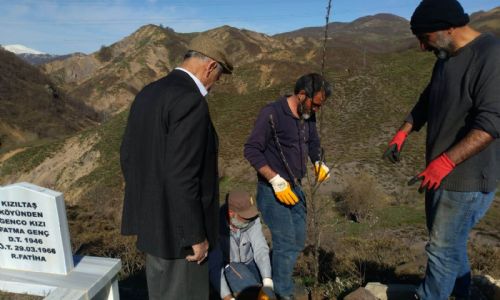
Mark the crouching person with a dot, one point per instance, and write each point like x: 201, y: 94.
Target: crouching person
x: 240, y: 260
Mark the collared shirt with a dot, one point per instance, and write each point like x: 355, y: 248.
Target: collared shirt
x: 297, y: 140
x: 200, y: 85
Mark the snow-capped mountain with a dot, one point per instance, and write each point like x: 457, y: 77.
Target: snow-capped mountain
x: 20, y: 49
x: 32, y: 56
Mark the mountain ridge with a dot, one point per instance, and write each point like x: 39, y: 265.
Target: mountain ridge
x: 108, y: 79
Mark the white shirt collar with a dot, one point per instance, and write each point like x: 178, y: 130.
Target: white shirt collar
x: 200, y: 85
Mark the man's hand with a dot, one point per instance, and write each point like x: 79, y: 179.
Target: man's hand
x: 200, y: 252
x: 393, y: 151
x: 432, y: 176
x: 268, y: 282
x: 321, y: 171
x: 283, y: 191
x: 228, y: 297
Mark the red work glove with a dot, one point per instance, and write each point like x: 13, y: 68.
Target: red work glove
x: 432, y: 176
x: 395, y: 145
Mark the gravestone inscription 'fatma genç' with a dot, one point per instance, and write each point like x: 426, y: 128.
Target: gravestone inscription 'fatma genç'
x: 34, y: 233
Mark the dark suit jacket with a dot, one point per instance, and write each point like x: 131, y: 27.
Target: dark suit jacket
x: 169, y: 161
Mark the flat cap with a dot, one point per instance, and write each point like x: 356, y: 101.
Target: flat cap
x: 207, y: 46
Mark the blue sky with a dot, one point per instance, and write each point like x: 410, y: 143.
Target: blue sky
x: 65, y: 26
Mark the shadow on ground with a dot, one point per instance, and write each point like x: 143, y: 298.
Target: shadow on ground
x: 134, y: 287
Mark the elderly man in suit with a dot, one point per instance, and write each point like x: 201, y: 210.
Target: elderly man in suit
x: 169, y: 161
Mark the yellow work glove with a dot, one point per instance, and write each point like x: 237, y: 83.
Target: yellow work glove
x: 322, y: 171
x: 283, y: 191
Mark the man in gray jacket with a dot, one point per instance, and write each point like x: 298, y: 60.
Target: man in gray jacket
x: 240, y: 259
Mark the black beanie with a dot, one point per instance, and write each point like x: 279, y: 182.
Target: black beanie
x: 435, y: 15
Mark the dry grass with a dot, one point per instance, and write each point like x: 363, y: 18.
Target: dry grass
x: 355, y: 261
x: 485, y: 259
x: 10, y: 296
x: 95, y: 230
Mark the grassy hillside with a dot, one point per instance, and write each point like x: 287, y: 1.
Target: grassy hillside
x: 33, y: 107
x: 380, y: 33
x: 487, y: 21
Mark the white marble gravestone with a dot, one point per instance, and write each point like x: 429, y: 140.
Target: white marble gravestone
x: 35, y: 250
x: 34, y: 233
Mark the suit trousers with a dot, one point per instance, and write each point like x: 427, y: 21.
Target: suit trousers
x: 176, y: 279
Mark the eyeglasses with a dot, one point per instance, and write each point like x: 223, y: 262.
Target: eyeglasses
x: 316, y: 105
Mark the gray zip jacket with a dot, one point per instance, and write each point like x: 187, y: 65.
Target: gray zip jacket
x: 252, y: 246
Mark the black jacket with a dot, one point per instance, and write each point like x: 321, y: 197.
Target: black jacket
x: 169, y: 160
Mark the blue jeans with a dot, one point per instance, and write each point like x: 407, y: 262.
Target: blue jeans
x: 240, y: 276
x: 288, y: 230
x: 450, y: 217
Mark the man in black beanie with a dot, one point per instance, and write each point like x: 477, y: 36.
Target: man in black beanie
x: 461, y: 106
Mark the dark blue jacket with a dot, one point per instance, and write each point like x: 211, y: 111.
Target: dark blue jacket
x: 298, y: 140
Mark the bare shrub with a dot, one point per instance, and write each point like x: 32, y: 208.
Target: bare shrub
x: 361, y: 197
x: 105, y: 54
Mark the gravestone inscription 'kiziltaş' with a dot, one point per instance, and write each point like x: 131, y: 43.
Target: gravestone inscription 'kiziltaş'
x: 34, y: 233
